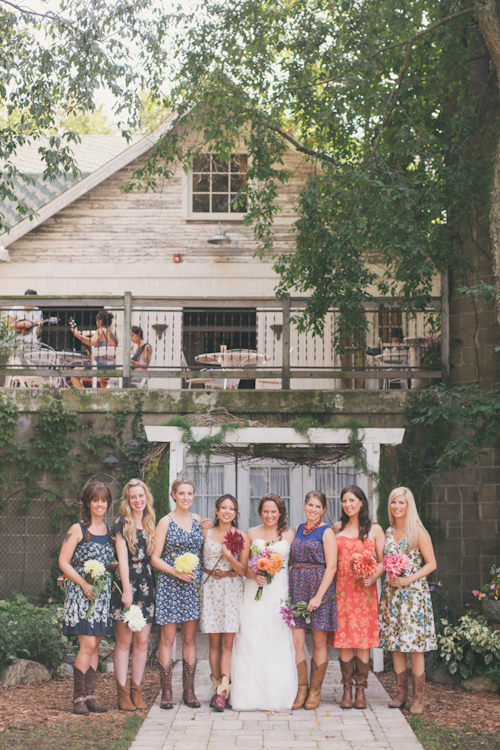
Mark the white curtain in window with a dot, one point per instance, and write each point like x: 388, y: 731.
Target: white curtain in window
x: 208, y: 488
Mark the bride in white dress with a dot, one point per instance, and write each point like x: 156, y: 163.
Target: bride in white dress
x: 263, y: 669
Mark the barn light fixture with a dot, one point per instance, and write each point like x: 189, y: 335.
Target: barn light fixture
x: 220, y: 238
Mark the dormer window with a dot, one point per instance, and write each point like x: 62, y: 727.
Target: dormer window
x: 216, y: 186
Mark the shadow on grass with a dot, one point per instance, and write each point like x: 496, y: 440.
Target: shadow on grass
x: 435, y: 736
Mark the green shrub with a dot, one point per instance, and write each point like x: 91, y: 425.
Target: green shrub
x: 30, y: 632
x: 470, y: 646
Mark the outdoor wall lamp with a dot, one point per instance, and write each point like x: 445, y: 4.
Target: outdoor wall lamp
x: 111, y: 460
x: 220, y: 238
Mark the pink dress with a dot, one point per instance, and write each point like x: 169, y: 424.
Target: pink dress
x: 357, y: 619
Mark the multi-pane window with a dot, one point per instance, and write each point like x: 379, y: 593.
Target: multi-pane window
x: 217, y: 185
x: 331, y: 482
x: 208, y: 488
x: 265, y: 479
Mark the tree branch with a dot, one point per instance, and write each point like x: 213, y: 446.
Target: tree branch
x: 29, y: 12
x: 298, y: 145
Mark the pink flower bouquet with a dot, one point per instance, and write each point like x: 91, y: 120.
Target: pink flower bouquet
x: 265, y: 563
x: 394, y: 565
x: 364, y: 565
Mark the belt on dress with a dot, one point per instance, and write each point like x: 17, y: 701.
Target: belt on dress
x: 308, y: 565
x: 218, y: 573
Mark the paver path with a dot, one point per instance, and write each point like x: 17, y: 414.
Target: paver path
x: 329, y: 728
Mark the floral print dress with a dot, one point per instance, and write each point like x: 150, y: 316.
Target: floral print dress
x: 406, y: 620
x: 76, y: 603
x: 140, y: 576
x: 220, y: 597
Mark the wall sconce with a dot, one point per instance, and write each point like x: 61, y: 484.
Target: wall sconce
x: 220, y: 238
x: 159, y: 329
x: 277, y: 329
x: 111, y: 460
x: 177, y: 258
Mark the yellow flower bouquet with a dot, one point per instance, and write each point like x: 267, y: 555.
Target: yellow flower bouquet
x: 187, y: 563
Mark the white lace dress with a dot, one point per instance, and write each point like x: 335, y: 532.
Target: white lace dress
x: 263, y: 672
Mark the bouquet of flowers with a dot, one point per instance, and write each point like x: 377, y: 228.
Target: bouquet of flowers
x: 394, y: 565
x: 132, y: 616
x: 63, y: 582
x: 265, y: 563
x: 97, y: 575
x: 364, y: 565
x: 234, y: 542
x: 289, y: 611
x: 187, y: 563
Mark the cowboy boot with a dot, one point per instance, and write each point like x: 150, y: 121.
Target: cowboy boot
x: 317, y: 677
x: 401, y: 690
x: 167, y: 700
x: 188, y: 694
x: 301, y: 696
x: 92, y: 704
x: 79, y: 700
x: 124, y: 702
x: 136, y: 696
x: 417, y: 705
x: 347, y: 669
x: 215, y: 685
x: 361, y: 682
x: 221, y: 694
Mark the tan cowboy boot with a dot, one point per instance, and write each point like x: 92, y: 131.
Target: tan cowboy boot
x: 136, y: 696
x: 401, y: 690
x: 347, y: 669
x: 317, y: 677
x: 124, y: 702
x: 417, y: 705
x: 221, y: 694
x: 301, y: 696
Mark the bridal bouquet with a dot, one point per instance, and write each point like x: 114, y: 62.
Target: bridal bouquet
x: 364, y: 565
x: 187, y: 563
x: 132, y: 616
x: 97, y: 575
x: 265, y: 563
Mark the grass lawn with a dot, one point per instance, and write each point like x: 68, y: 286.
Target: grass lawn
x: 436, y: 736
x: 107, y: 734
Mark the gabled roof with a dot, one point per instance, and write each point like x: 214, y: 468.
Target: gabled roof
x: 93, y: 158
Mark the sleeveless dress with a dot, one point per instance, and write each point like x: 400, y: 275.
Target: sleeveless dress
x: 76, y: 603
x: 263, y: 672
x: 357, y: 619
x: 220, y: 598
x: 140, y: 575
x: 176, y: 600
x: 406, y: 619
x: 307, y: 566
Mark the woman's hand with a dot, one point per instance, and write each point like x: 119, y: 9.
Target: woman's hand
x: 207, y: 523
x: 399, y: 582
x: 187, y: 577
x: 314, y: 604
x: 225, y: 553
x: 368, y: 581
x: 88, y: 590
x: 127, y: 597
x: 261, y: 580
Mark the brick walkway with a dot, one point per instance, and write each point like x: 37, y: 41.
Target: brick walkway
x: 328, y: 728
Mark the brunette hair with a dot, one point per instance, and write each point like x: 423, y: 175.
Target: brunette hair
x: 90, y: 492
x: 138, y: 331
x: 181, y: 480
x: 105, y: 317
x: 148, y: 517
x: 364, y: 521
x: 318, y: 495
x: 283, y: 519
x: 219, y: 502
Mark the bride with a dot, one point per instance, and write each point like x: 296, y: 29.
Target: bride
x: 263, y: 664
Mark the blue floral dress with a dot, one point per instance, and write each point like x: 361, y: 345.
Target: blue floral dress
x: 140, y: 576
x: 176, y: 600
x: 76, y: 603
x: 406, y: 620
x: 307, y: 567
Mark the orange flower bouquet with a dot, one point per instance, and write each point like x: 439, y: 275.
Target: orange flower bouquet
x: 265, y: 563
x: 364, y: 565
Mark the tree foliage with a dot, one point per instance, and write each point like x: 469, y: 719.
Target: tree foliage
x: 386, y: 101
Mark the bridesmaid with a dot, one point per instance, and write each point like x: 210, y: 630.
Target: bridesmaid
x: 221, y: 594
x: 357, y: 618
x: 406, y: 618
x: 89, y: 539
x: 134, y: 538
x: 177, y: 600
x: 313, y: 565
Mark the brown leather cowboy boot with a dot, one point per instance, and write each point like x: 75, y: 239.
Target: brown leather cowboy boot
x: 124, y: 702
x: 221, y: 694
x: 347, y: 669
x: 188, y: 694
x: 317, y: 677
x: 136, y: 696
x: 301, y: 696
x: 79, y: 700
x: 417, y: 705
x: 167, y: 700
x: 401, y: 690
x: 362, y: 670
x: 92, y: 704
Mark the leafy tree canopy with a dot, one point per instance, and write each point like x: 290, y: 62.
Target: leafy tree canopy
x: 385, y: 98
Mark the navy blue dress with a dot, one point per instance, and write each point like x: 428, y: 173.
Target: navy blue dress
x: 307, y: 567
x: 76, y: 603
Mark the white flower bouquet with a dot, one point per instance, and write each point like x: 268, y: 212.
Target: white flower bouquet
x: 97, y: 575
x: 132, y: 616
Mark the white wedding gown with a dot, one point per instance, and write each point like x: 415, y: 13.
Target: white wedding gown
x: 263, y: 671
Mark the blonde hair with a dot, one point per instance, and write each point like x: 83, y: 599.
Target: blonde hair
x: 181, y: 480
x: 148, y: 517
x: 412, y: 519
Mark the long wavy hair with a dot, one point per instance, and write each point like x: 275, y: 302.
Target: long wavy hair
x: 219, y: 502
x: 148, y: 517
x: 283, y: 519
x: 90, y: 492
x: 364, y: 521
x: 412, y: 519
